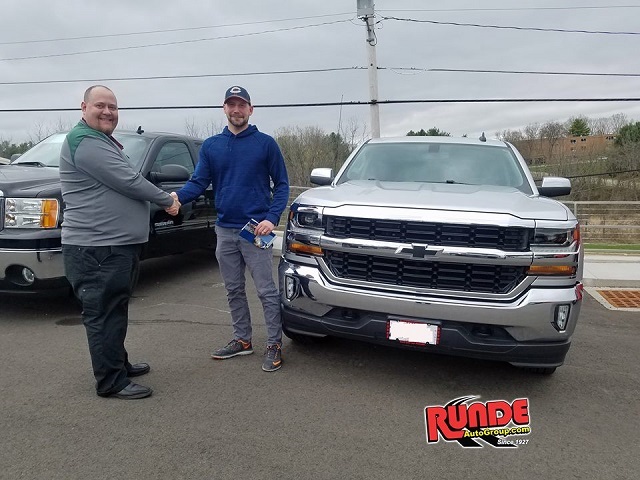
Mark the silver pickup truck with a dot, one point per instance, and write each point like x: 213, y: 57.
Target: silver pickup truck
x: 435, y: 243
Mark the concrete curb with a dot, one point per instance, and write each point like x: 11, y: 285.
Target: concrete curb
x: 611, y: 270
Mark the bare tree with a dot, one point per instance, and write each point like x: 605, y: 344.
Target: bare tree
x: 511, y: 136
x: 530, y: 134
x: 599, y: 126
x: 531, y: 131
x: 191, y: 128
x: 39, y: 132
x: 310, y: 147
x: 62, y: 125
x: 618, y: 121
x: 353, y: 132
x: 551, y: 133
x: 42, y: 129
x: 211, y: 127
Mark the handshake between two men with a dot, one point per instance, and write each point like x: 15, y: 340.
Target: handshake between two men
x: 175, y: 208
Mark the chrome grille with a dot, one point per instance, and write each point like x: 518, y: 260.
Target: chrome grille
x: 465, y: 277
x: 511, y: 239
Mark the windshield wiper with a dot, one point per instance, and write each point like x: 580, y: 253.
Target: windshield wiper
x: 456, y: 182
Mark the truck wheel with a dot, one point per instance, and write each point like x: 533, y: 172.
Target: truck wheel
x: 301, y: 338
x: 541, y: 370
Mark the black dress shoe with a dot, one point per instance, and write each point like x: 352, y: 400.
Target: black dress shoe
x: 138, y: 369
x: 133, y: 391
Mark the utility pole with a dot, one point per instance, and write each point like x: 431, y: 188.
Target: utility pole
x: 366, y: 14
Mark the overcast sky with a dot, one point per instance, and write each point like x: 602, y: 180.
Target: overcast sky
x: 200, y: 38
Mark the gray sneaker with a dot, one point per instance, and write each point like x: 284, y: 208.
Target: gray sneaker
x: 272, y: 358
x: 233, y: 348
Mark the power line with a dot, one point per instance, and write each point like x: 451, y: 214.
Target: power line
x: 171, y: 30
x: 317, y: 70
x: 561, y: 30
x: 603, y: 173
x: 172, y: 77
x: 173, y: 43
x: 333, y: 104
x: 519, y: 72
x: 507, y: 9
x: 204, y: 27
x: 33, y: 57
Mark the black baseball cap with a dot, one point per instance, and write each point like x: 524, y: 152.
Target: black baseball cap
x: 237, y: 92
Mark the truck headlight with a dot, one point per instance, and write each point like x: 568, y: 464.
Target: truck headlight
x: 306, y: 217
x: 555, y: 243
x: 556, y: 237
x: 31, y: 212
x: 304, y: 230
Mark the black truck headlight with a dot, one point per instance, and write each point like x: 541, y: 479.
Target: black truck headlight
x: 556, y: 237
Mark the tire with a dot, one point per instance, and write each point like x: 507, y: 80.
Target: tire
x: 540, y: 370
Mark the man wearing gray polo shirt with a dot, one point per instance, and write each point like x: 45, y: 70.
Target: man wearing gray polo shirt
x: 106, y: 221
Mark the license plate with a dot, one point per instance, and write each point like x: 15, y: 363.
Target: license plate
x: 414, y: 333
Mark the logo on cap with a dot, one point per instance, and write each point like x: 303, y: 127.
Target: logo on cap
x: 238, y: 92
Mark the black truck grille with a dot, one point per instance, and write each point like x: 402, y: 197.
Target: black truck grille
x: 465, y: 277
x: 511, y: 239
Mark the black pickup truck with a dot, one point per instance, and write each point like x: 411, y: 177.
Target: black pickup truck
x: 31, y: 208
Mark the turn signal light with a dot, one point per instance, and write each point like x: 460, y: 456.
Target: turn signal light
x: 563, y: 270
x: 297, y: 247
x: 49, y: 213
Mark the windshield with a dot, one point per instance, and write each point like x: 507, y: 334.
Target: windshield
x: 437, y: 163
x: 47, y: 152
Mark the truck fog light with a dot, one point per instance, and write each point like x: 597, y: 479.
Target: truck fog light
x: 289, y: 287
x: 28, y: 275
x: 561, y: 317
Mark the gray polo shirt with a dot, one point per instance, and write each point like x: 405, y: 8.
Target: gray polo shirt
x: 106, y: 201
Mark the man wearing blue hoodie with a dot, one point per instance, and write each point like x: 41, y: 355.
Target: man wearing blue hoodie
x: 247, y: 172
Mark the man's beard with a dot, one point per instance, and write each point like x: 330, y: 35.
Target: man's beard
x: 238, y: 122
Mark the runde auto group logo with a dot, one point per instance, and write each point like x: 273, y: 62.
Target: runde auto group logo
x: 495, y: 422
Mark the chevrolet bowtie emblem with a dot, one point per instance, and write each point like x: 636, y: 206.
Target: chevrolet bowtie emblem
x: 418, y: 251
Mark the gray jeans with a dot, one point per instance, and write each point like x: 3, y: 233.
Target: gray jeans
x: 234, y: 254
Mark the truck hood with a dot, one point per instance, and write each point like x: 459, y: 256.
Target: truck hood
x: 28, y: 181
x: 435, y: 196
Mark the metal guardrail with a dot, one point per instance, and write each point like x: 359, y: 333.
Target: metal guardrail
x: 600, y: 222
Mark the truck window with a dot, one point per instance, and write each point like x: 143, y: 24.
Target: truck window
x: 173, y: 153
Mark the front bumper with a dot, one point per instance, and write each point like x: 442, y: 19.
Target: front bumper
x: 518, y: 330
x: 46, y: 265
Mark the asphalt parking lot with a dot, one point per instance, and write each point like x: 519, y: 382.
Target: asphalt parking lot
x: 335, y: 410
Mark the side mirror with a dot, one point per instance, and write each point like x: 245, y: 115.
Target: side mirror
x: 14, y: 156
x: 170, y: 173
x: 322, y: 176
x: 555, y: 187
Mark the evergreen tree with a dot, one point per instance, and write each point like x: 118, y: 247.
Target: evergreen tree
x: 629, y: 134
x: 579, y: 127
x: 432, y: 132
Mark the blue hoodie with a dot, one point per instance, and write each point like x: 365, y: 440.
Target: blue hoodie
x: 241, y: 168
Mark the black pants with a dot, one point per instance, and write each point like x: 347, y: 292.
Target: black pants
x: 102, y: 279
